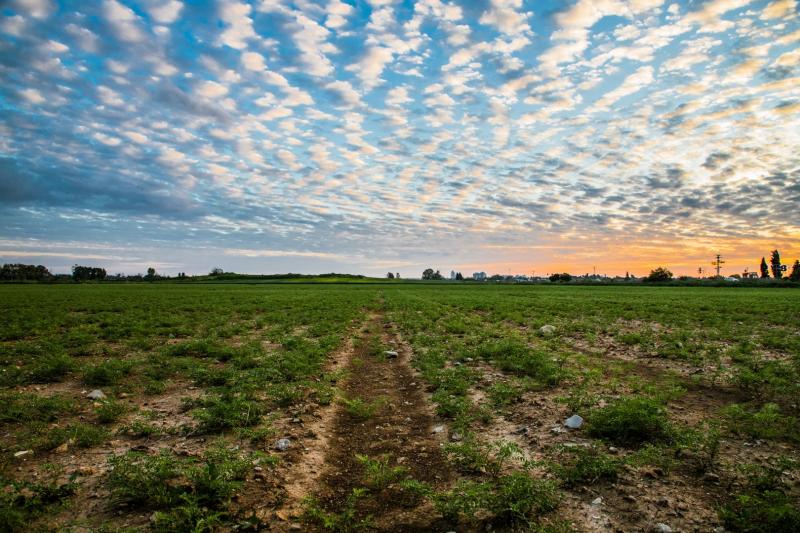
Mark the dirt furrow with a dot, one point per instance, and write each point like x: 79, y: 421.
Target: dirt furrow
x: 382, y: 419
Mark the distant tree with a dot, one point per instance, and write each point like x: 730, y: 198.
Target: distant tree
x: 795, y: 274
x: 151, y: 274
x: 764, y: 269
x: 459, y: 277
x: 20, y: 272
x: 84, y: 273
x: 429, y: 274
x: 775, y: 264
x: 390, y: 275
x: 659, y: 274
x: 627, y: 276
x: 216, y: 271
x: 397, y: 275
x: 565, y: 277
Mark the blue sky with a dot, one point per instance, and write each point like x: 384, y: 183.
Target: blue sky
x: 367, y: 136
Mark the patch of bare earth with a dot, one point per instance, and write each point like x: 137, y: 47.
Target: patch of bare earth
x: 642, y: 496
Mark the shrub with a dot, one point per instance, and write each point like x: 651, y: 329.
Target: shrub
x: 33, y: 408
x: 228, y: 410
x: 378, y: 474
x: 109, y: 372
x: 586, y: 466
x: 110, y: 411
x: 514, y: 498
x: 346, y: 520
x: 630, y: 421
x: 361, y: 409
x: 188, y: 495
x: 765, y: 423
x: 50, y: 368
x: 21, y: 502
x: 764, y: 505
x: 42, y: 437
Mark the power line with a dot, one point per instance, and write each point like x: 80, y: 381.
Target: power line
x: 718, y: 263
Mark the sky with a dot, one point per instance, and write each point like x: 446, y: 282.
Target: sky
x: 367, y: 136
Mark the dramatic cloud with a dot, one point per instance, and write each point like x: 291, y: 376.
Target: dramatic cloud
x: 276, y: 135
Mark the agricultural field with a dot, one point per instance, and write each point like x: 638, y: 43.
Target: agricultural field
x: 398, y: 407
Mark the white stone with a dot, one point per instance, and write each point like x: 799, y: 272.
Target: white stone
x: 547, y: 329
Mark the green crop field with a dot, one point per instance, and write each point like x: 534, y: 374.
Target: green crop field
x: 398, y: 407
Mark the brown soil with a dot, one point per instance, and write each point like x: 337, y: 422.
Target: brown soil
x: 401, y: 430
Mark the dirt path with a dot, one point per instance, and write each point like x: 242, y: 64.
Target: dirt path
x: 390, y: 421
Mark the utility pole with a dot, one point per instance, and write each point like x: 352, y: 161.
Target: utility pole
x: 718, y: 263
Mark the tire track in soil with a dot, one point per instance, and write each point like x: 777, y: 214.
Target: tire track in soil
x: 401, y: 429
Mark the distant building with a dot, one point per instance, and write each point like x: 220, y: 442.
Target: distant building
x: 479, y: 276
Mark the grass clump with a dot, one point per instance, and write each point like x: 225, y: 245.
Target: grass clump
x: 41, y: 437
x: 362, y: 409
x: 765, y: 504
x: 21, y: 502
x: 106, y: 373
x: 585, y: 466
x: 514, y: 356
x: 225, y: 411
x: 110, y: 411
x: 768, y: 422
x: 33, y: 408
x: 378, y: 473
x: 187, y: 494
x: 50, y: 368
x: 347, y: 520
x: 516, y: 498
x: 631, y: 421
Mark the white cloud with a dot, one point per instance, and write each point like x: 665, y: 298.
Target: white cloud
x: 253, y: 61
x: 13, y: 25
x: 124, y: 21
x: 504, y: 15
x: 632, y: 84
x: 136, y: 137
x: 87, y: 39
x: 371, y: 66
x: 32, y: 95
x: 311, y: 40
x: 779, y: 9
x: 55, y: 47
x: 397, y: 96
x: 165, y: 12
x: 109, y: 96
x: 236, y: 16
x: 211, y: 89
x: 39, y: 9
x: 107, y: 139
x: 337, y: 12
x: 347, y: 96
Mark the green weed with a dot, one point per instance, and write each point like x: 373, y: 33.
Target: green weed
x: 630, y: 421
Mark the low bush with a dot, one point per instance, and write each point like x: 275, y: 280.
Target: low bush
x: 217, y: 413
x: 630, y: 421
x: 578, y: 466
x: 188, y: 495
x: 765, y: 504
x: 768, y: 422
x: 106, y: 373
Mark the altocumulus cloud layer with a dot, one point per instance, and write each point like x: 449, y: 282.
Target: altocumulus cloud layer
x: 392, y: 135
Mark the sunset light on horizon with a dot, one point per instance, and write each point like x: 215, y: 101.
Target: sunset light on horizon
x: 375, y: 136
